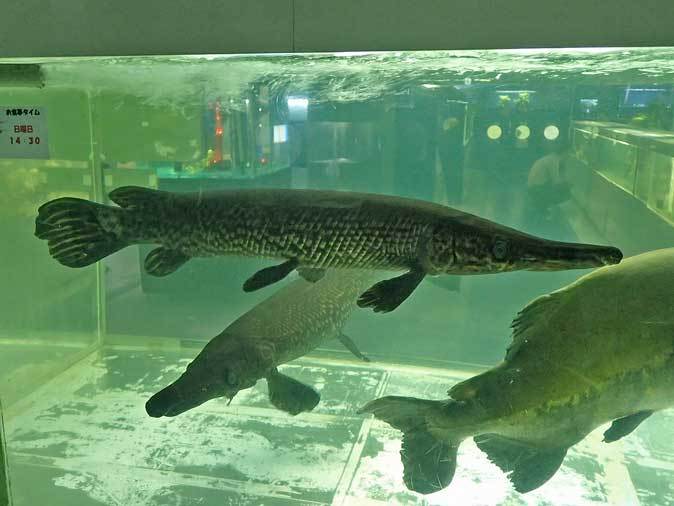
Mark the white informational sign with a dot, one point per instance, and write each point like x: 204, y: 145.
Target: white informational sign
x: 23, y: 131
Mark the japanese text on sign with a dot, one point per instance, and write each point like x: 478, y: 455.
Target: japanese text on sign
x: 19, y: 112
x: 23, y: 132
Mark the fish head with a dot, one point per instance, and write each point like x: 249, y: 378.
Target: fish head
x: 481, y: 247
x: 218, y: 371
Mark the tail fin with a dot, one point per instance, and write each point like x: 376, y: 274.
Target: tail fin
x: 73, y: 230
x: 429, y: 463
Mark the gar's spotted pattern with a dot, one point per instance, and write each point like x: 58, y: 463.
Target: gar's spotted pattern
x: 323, y: 233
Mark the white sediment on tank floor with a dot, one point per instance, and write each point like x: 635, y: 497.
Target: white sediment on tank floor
x: 90, y: 428
x: 87, y: 427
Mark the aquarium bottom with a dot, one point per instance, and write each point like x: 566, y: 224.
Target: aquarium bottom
x: 84, y: 439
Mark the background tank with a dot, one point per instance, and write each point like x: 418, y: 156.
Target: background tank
x: 577, y: 153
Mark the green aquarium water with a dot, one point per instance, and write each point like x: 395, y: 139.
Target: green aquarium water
x: 570, y: 145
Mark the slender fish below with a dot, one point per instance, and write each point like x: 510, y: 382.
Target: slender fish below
x: 287, y: 325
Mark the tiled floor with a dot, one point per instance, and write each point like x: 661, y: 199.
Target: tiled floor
x: 84, y: 439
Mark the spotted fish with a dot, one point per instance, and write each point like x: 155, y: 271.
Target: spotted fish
x: 308, y: 229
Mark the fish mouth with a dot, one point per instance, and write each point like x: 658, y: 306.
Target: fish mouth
x: 553, y: 256
x: 168, y: 402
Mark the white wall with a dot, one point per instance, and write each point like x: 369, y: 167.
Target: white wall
x: 132, y: 27
x: 125, y: 27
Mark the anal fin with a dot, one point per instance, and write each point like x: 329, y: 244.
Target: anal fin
x: 387, y: 295
x: 621, y: 427
x: 428, y: 463
x: 164, y: 261
x: 527, y: 466
x: 351, y: 346
x: 290, y: 395
x: 269, y: 275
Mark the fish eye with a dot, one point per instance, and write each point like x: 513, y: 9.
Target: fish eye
x: 500, y: 249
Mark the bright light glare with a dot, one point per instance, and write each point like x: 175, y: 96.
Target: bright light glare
x: 551, y: 132
x: 298, y: 108
x: 298, y: 103
x: 522, y: 132
x: 280, y: 133
x: 494, y: 132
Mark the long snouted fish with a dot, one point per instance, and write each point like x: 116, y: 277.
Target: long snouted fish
x: 599, y: 350
x: 308, y: 229
x: 288, y: 325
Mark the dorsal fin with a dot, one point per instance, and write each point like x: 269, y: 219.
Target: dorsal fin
x: 539, y: 308
x: 137, y: 197
x: 532, y: 314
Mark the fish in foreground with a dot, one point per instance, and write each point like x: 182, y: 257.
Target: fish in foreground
x: 599, y: 350
x: 311, y: 230
x: 289, y: 324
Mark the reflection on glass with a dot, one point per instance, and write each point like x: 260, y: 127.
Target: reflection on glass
x: 494, y: 132
x: 551, y: 132
x: 522, y: 132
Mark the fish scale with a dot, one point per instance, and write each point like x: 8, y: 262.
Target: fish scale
x: 309, y: 235
x: 305, y: 229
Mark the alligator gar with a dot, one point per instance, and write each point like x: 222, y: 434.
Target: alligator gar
x: 309, y: 229
x: 288, y: 325
x: 599, y: 350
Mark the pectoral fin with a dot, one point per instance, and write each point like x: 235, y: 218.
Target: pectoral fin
x: 163, y: 261
x: 290, y: 395
x: 387, y: 295
x: 625, y: 425
x: 311, y: 274
x: 269, y: 275
x: 527, y: 466
x: 351, y: 346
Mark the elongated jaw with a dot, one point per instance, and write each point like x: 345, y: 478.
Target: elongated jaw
x: 556, y: 256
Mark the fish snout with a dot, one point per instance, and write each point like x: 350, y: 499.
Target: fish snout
x: 612, y: 256
x: 184, y: 395
x: 551, y: 256
x: 163, y: 402
x: 586, y: 256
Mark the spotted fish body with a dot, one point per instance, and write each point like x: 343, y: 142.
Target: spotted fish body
x: 321, y: 229
x: 599, y: 350
x: 308, y: 229
x: 287, y: 325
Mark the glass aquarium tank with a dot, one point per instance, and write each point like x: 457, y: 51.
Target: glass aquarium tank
x: 567, y: 145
